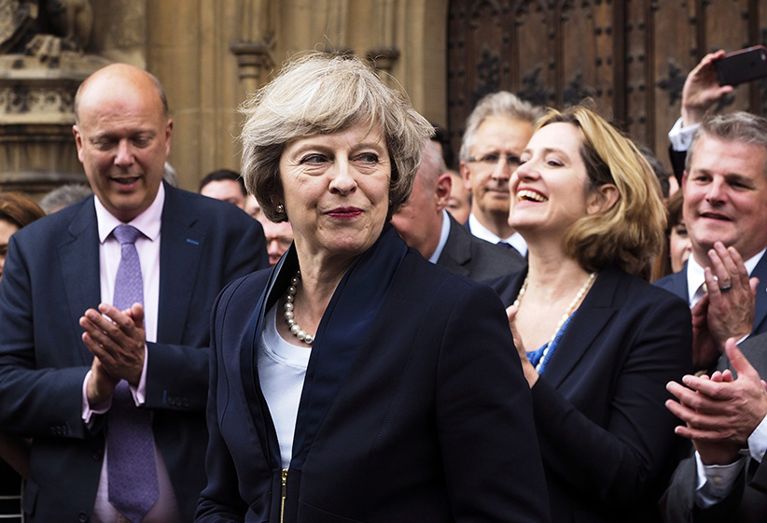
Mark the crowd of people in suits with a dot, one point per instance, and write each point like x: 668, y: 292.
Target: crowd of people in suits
x: 354, y: 332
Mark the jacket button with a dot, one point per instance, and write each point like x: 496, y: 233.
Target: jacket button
x: 82, y: 517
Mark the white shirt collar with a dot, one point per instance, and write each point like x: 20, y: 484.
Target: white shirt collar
x: 443, y: 234
x: 483, y: 233
x: 696, y: 277
x: 148, y: 222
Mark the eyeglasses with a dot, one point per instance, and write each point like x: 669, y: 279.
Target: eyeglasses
x: 490, y: 160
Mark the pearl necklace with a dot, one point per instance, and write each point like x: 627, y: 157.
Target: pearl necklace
x: 568, y: 312
x: 290, y: 318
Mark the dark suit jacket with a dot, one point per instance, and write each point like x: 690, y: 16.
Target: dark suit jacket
x: 414, y: 407
x: 51, y: 277
x: 476, y: 259
x: 677, y: 284
x: 607, y: 440
x: 677, y: 159
x: 747, y: 503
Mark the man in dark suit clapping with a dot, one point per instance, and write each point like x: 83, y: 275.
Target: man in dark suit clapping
x: 105, y: 307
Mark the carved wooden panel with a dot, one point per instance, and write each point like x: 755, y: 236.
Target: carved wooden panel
x: 630, y: 56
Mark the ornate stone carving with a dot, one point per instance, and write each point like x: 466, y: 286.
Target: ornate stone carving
x: 41, y: 65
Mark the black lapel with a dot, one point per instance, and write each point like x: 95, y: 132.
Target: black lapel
x: 457, y: 251
x: 594, y: 313
x: 760, y: 271
x: 343, y: 333
x: 79, y: 254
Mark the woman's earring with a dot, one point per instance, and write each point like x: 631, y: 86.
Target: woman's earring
x: 280, y: 208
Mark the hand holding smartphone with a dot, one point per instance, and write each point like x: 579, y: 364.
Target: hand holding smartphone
x: 742, y: 66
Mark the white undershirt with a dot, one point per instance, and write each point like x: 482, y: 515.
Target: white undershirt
x: 281, y: 371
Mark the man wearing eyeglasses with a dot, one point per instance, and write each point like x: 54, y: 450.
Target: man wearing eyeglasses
x: 497, y: 131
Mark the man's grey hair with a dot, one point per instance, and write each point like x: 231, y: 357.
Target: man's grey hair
x: 502, y: 103
x: 741, y: 127
x: 432, y: 164
x: 64, y: 196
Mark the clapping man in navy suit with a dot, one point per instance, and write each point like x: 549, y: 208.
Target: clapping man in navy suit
x: 105, y: 308
x: 725, y: 210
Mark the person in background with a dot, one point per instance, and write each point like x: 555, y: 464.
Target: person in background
x: 597, y: 342
x: 371, y: 385
x: 224, y: 185
x: 497, y: 131
x: 677, y: 248
x: 426, y: 226
x: 105, y: 313
x: 16, y: 211
x: 278, y: 237
x: 252, y: 207
x: 459, y: 202
x: 668, y: 183
x: 64, y: 196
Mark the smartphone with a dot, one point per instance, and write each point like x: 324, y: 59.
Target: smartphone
x: 742, y: 66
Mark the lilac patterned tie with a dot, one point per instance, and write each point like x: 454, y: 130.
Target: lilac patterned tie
x: 133, y: 487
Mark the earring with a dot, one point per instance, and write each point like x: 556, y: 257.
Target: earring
x: 280, y: 208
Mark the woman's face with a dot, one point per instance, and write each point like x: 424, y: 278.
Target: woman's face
x: 680, y: 246
x: 336, y: 189
x: 548, y: 189
x: 6, y: 230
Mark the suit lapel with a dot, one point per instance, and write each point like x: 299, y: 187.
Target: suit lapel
x: 79, y: 255
x: 456, y: 254
x: 181, y: 245
x: 760, y: 271
x: 342, y: 334
x: 679, y: 284
x: 591, y: 317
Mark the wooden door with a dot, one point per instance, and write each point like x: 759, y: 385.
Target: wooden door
x: 631, y: 56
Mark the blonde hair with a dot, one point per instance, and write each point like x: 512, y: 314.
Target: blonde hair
x: 631, y: 232
x: 322, y: 93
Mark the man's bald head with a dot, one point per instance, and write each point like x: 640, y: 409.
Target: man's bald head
x: 120, y: 73
x: 123, y: 137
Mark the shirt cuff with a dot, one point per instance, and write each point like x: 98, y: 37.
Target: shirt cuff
x: 139, y: 392
x: 715, y: 482
x: 757, y: 441
x: 87, y: 411
x: 681, y: 136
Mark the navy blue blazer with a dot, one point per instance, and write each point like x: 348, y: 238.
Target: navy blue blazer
x: 51, y: 277
x: 414, y: 406
x: 607, y: 440
x: 677, y: 284
x: 476, y: 259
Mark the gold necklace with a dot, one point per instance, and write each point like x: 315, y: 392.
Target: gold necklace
x: 570, y: 309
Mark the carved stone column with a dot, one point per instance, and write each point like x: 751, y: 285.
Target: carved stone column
x: 254, y: 47
x: 37, y: 151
